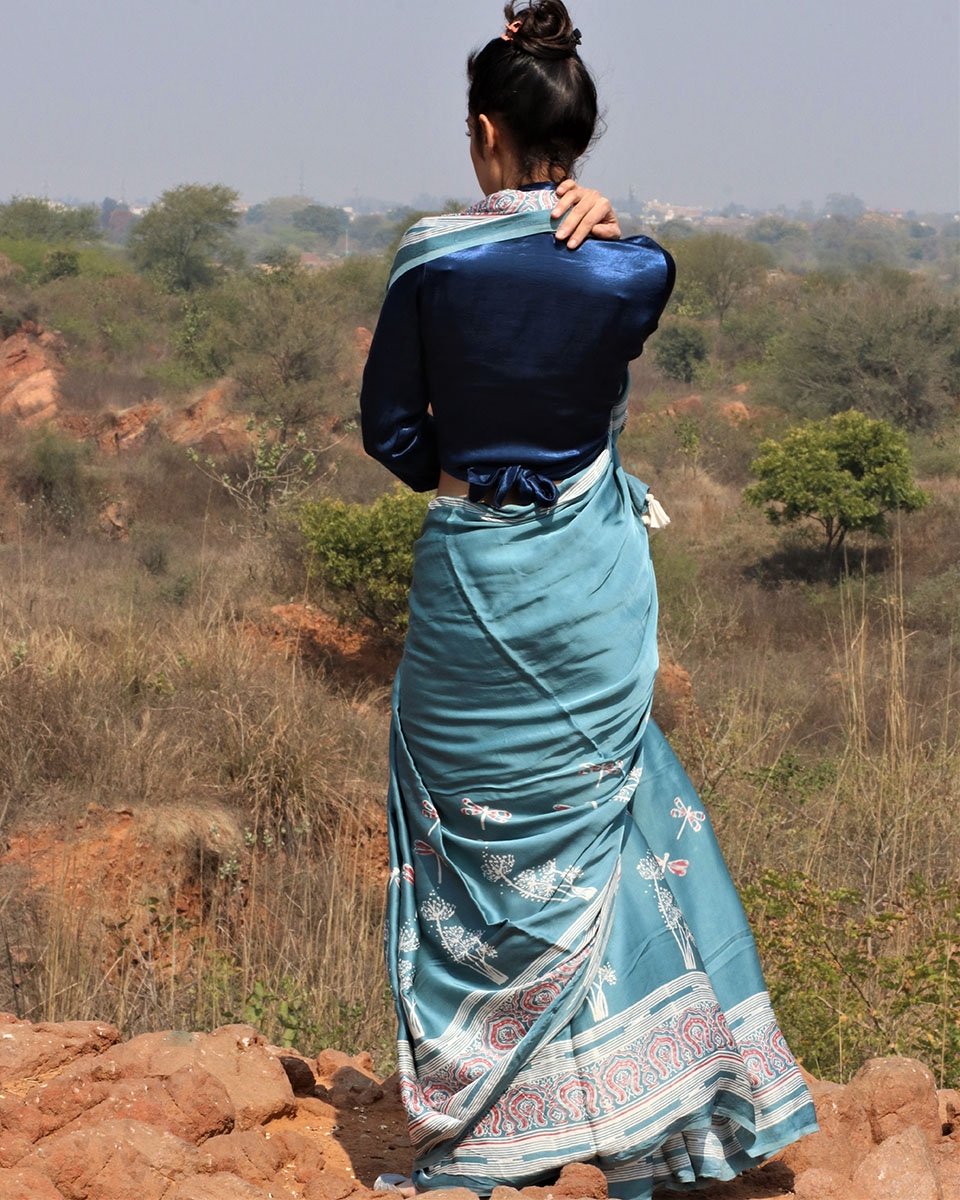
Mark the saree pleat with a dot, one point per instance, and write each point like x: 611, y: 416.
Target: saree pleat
x: 574, y: 973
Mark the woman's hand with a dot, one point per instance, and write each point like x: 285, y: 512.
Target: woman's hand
x: 585, y: 214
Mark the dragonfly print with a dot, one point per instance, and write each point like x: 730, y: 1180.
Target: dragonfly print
x: 461, y: 944
x: 428, y: 808
x: 601, y: 770
x: 427, y: 851
x: 499, y: 816
x: 543, y: 883
x: 677, y: 866
x: 687, y: 816
x: 649, y: 868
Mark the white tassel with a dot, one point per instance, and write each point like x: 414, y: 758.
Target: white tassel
x: 655, y: 517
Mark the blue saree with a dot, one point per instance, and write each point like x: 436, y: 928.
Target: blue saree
x: 574, y: 975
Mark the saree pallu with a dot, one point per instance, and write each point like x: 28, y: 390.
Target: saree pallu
x: 574, y: 975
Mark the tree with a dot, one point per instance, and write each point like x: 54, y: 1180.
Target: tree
x: 365, y: 553
x: 29, y: 217
x: 844, y: 204
x: 723, y: 266
x: 329, y: 223
x: 846, y: 472
x: 679, y: 350
x: 183, y: 232
x: 885, y: 344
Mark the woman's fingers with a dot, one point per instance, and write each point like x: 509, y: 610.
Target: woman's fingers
x: 585, y: 212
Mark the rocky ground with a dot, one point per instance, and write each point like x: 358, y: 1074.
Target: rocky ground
x: 224, y: 1116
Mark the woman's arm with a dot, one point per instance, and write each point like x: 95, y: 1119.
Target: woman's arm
x: 586, y: 214
x: 397, y: 426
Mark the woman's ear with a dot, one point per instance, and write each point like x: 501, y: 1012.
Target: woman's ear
x: 487, y: 133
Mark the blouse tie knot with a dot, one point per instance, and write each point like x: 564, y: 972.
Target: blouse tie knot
x: 527, y: 485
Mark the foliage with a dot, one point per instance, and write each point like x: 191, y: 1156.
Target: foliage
x: 286, y: 336
x: 365, y: 553
x: 183, y: 232
x: 846, y: 472
x: 27, y: 217
x: 844, y: 204
x: 849, y: 984
x: 52, y: 480
x: 60, y: 264
x: 679, y: 349
x: 276, y: 471
x: 725, y: 267
x: 318, y: 218
x: 884, y: 343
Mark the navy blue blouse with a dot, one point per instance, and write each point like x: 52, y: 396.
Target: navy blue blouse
x: 502, y: 363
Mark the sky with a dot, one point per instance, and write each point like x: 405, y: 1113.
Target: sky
x: 758, y: 102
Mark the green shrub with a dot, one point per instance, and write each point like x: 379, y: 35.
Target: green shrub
x: 850, y: 983
x: 679, y: 350
x: 52, y: 478
x: 364, y: 553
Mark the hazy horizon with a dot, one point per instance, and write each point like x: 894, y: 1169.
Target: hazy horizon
x: 759, y: 104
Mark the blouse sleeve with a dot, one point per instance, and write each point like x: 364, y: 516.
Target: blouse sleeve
x: 398, y: 429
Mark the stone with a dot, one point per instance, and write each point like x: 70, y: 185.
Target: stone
x: 818, y: 1184
x: 350, y: 1088
x: 948, y: 1103
x: 218, y: 1187
x: 897, y: 1093
x: 844, y: 1138
x: 299, y: 1072
x: 579, y: 1181
x: 29, y: 1050
x: 330, y: 1186
x: 504, y: 1193
x: 18, y: 1184
x: 191, y: 1103
x: 901, y: 1168
x: 260, y: 1157
x: 948, y: 1167
x: 453, y: 1193
x: 116, y: 1160
x: 235, y: 1055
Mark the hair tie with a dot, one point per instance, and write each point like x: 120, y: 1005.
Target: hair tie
x: 511, y: 30
x: 576, y: 37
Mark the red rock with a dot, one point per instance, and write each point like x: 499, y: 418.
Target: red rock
x: 219, y: 1187
x: 735, y: 411
x: 28, y: 1050
x: 578, y: 1180
x: 260, y: 1157
x: 330, y: 1186
x: 818, y: 1184
x: 236, y: 1055
x: 902, y: 1168
x: 844, y: 1139
x: 116, y: 1160
x: 30, y: 372
x: 191, y: 1103
x: 897, y: 1093
x: 948, y: 1166
x: 18, y: 1184
x: 504, y: 1193
x: 350, y: 1088
x: 453, y: 1193
x: 948, y: 1101
x: 298, y: 1071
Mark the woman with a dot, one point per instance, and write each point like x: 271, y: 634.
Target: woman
x: 574, y: 977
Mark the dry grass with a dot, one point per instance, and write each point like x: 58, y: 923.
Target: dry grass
x: 826, y: 741
x: 254, y: 784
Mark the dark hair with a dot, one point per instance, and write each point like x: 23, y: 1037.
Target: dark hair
x: 538, y: 85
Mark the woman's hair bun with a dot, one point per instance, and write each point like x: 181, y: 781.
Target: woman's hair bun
x: 546, y: 30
